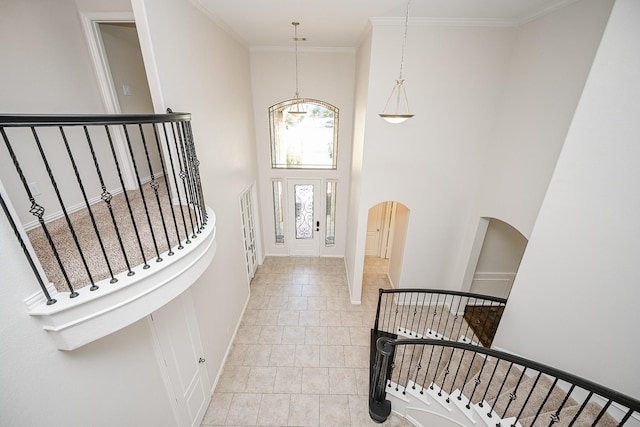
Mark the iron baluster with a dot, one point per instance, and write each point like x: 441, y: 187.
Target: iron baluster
x: 493, y: 373
x: 504, y: 380
x: 184, y: 175
x: 16, y: 231
x: 141, y: 190
x: 130, y: 209
x: 166, y: 180
x: 182, y: 178
x: 64, y: 209
x: 155, y: 185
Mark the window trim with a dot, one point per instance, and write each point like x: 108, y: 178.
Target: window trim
x: 272, y: 131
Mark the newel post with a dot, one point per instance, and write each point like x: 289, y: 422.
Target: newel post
x: 379, y: 406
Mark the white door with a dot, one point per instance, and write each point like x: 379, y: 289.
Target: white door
x: 305, y: 216
x: 248, y: 232
x: 374, y: 227
x: 176, y: 331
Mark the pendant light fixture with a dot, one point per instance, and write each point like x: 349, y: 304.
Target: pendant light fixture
x: 398, y: 94
x: 297, y: 111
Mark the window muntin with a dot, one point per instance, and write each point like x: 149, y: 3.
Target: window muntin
x: 303, y: 141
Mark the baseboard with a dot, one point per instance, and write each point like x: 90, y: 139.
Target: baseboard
x: 233, y: 338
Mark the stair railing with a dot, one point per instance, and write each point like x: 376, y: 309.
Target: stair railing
x: 69, y: 163
x: 498, y: 386
x: 438, y: 314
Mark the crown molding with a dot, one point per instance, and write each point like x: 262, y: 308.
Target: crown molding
x: 444, y: 22
x: 291, y: 49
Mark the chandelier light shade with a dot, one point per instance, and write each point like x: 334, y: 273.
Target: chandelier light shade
x: 396, y: 110
x: 297, y: 110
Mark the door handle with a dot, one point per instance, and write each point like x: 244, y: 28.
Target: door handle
x: 201, y: 360
x: 317, y: 225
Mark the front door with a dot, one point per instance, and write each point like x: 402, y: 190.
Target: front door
x: 305, y: 213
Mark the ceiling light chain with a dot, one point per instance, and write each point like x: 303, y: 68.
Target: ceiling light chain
x: 399, y: 90
x: 297, y: 39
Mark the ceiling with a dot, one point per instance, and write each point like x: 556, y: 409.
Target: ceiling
x: 341, y: 23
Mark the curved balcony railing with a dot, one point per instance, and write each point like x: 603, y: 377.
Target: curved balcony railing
x: 100, y: 203
x: 105, y: 192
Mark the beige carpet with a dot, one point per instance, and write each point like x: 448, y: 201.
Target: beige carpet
x: 90, y: 245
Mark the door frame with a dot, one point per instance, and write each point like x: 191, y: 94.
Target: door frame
x: 318, y: 208
x: 102, y: 70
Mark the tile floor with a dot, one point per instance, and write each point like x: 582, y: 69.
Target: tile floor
x: 301, y: 354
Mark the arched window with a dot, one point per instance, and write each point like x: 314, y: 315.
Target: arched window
x: 304, y: 134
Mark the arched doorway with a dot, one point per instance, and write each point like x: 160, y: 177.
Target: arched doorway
x: 498, y: 258
x: 387, y: 227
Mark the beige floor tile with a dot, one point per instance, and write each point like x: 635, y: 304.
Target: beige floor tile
x: 267, y: 317
x: 288, y: 380
x: 356, y: 356
x: 316, y: 335
x: 315, y: 381
x: 244, y: 409
x: 297, y: 303
x: 293, y: 335
x: 288, y: 317
x: 261, y: 379
x: 342, y: 381
x: 282, y: 355
x: 330, y: 318
x: 312, y: 290
x: 277, y: 302
x: 360, y: 335
x: 316, y: 303
x: 218, y: 409
x: 236, y: 355
x: 340, y: 335
x: 309, y: 318
x: 362, y: 380
x: 307, y: 356
x: 334, y: 411
x: 331, y: 356
x: 304, y: 410
x: 271, y: 335
x: 292, y: 290
x: 233, y: 379
x: 257, y: 355
x: 274, y: 410
x: 248, y: 334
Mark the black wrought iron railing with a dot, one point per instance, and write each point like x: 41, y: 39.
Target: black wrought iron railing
x: 500, y: 388
x: 438, y: 314
x: 99, y: 195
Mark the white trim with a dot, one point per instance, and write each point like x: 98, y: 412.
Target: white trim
x: 219, y: 22
x: 95, y: 314
x: 101, y: 68
x: 444, y: 22
x: 291, y: 49
x: 148, y: 56
x: 547, y: 11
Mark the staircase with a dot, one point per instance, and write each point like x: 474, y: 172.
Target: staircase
x: 449, y: 382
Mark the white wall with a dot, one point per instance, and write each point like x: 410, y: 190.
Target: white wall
x: 355, y: 243
x: 502, y: 249
x: 326, y: 75
x: 577, y: 289
x: 202, y: 70
x: 430, y: 163
x: 50, y: 72
x: 550, y: 62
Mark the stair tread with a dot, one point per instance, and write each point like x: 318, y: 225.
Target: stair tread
x: 527, y: 402
x: 502, y: 374
x: 466, y: 364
